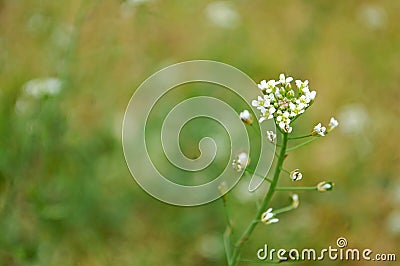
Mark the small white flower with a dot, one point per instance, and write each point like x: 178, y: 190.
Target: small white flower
x: 268, y: 217
x: 295, y: 200
x: 263, y: 85
x: 310, y: 96
x: 271, y: 136
x: 332, y: 124
x: 285, y: 127
x: 267, y: 113
x: 283, y: 80
x: 241, y: 161
x: 319, y: 130
x: 261, y: 102
x: 286, y: 114
x: 301, y: 84
x: 296, y: 175
x: 246, y: 117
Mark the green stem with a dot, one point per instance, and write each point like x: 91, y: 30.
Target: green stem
x: 286, y: 171
x: 284, y: 209
x: 249, y: 230
x: 228, y: 231
x: 295, y: 188
x: 301, y: 137
x: 302, y: 144
x: 252, y: 172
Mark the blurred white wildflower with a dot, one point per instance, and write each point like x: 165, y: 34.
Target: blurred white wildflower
x: 281, y: 102
x: 296, y: 175
x: 22, y: 105
x: 271, y: 136
x: 210, y: 246
x: 396, y: 194
x: 319, y: 130
x: 393, y: 222
x: 61, y: 36
x: 127, y: 7
x: 223, y: 14
x: 354, y: 119
x: 268, y: 217
x: 41, y: 87
x: 242, y: 194
x: 246, y: 117
x: 241, y: 161
x: 38, y: 23
x: 373, y: 17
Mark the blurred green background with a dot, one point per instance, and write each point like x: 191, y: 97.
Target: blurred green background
x: 66, y: 194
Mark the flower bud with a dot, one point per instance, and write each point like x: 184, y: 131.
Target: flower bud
x: 290, y: 94
x: 325, y: 186
x: 246, y: 117
x: 295, y: 200
x: 223, y: 188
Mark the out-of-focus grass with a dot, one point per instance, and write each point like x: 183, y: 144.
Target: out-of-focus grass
x: 66, y: 195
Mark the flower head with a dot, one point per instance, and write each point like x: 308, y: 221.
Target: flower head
x: 268, y: 217
x: 241, y: 161
x: 296, y: 175
x: 282, y: 102
x: 319, y: 130
x: 271, y: 136
x: 325, y: 186
x: 246, y: 117
x: 333, y: 123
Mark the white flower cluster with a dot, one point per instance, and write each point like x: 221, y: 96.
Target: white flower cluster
x: 282, y: 101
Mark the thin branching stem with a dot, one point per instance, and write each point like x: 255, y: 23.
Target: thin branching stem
x: 252, y: 172
x: 249, y: 230
x: 295, y: 188
x: 300, y: 137
x: 302, y: 144
x: 284, y: 209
